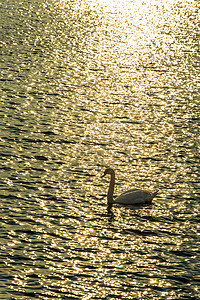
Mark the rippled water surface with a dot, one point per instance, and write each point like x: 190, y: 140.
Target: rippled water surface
x: 86, y: 85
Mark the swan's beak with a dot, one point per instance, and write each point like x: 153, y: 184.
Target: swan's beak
x: 103, y: 175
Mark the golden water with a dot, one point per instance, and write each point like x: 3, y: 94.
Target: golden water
x: 86, y: 85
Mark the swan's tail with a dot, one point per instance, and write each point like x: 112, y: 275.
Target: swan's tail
x: 154, y: 194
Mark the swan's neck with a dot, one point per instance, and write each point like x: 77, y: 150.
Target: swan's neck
x: 111, y: 189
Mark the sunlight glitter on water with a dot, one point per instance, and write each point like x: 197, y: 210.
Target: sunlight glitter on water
x: 87, y: 85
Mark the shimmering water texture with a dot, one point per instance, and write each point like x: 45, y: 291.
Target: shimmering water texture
x: 86, y: 85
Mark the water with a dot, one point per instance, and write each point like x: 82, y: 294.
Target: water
x: 85, y: 85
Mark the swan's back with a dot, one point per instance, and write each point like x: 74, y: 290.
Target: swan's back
x: 135, y: 196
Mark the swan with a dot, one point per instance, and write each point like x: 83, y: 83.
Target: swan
x: 130, y: 197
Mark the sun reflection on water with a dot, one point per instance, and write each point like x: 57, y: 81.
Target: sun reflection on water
x: 100, y: 83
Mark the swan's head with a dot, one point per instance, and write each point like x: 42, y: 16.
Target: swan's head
x: 108, y: 171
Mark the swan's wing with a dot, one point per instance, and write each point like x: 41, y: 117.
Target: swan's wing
x: 129, y: 191
x: 134, y: 196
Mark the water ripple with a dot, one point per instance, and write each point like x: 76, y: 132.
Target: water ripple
x: 85, y: 86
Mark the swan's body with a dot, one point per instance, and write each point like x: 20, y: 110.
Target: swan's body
x: 131, y: 197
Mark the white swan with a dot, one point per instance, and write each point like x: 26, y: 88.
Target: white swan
x: 133, y: 196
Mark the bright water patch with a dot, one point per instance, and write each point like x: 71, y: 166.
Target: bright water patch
x: 87, y: 85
